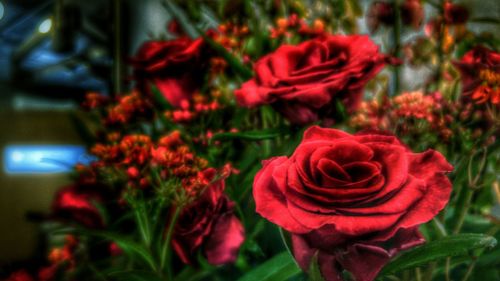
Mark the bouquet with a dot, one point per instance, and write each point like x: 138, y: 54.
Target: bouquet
x: 270, y: 140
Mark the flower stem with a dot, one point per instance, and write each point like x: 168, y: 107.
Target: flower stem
x: 165, y: 252
x: 396, y: 37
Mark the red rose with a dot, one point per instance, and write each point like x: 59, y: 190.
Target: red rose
x: 175, y: 67
x: 77, y: 204
x: 355, y: 199
x: 303, y: 82
x: 209, y: 224
x: 480, y: 70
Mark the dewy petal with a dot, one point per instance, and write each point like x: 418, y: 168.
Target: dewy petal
x: 270, y: 201
x: 225, y: 240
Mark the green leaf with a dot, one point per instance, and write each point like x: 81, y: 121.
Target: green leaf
x: 280, y: 267
x: 250, y: 135
x: 135, y: 275
x: 449, y: 246
x: 314, y: 271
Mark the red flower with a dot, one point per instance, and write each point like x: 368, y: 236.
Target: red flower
x: 210, y: 225
x: 76, y: 203
x: 175, y: 67
x: 455, y: 13
x: 21, y: 275
x: 303, y: 82
x: 355, y: 199
x: 382, y: 13
x: 480, y: 67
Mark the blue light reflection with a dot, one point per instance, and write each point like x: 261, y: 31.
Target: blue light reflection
x: 43, y: 159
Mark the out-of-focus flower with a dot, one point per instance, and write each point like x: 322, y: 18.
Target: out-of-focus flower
x: 189, y: 111
x: 129, y: 107
x: 382, y: 13
x: 412, y: 13
x: 406, y: 112
x: 455, y: 13
x: 355, y: 201
x: 94, y: 100
x: 174, y: 66
x: 115, y: 250
x: 294, y: 25
x: 20, y: 275
x: 304, y: 82
x: 209, y: 224
x: 75, y: 203
x: 480, y: 73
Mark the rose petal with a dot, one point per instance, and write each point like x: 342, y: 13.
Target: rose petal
x: 225, y: 240
x: 270, y: 201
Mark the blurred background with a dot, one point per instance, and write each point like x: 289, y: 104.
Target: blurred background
x: 52, y: 53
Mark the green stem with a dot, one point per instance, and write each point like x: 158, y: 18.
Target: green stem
x: 165, y: 253
x: 439, y: 51
x: 396, y: 37
x: 469, y: 270
x: 463, y: 205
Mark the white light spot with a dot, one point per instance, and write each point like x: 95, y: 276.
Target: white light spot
x: 45, y: 26
x: 17, y: 156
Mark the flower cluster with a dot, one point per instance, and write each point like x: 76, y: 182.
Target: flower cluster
x: 481, y: 77
x: 189, y: 111
x: 287, y: 27
x: 405, y: 113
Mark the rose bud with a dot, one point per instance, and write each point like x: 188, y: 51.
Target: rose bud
x: 209, y: 224
x: 355, y: 201
x: 304, y: 82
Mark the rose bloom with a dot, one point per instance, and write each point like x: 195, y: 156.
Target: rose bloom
x: 356, y: 200
x: 304, y: 82
x: 209, y: 224
x: 480, y: 71
x: 174, y: 66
